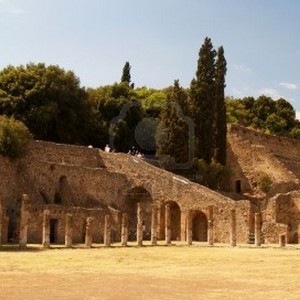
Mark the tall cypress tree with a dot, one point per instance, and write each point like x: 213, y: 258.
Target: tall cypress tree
x: 172, y: 134
x: 220, y: 114
x: 126, y: 77
x: 203, y: 101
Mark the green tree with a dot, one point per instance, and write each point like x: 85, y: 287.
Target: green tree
x: 236, y: 111
x: 126, y: 77
x: 263, y: 107
x: 154, y: 103
x: 173, y: 133
x: 49, y: 100
x: 119, y: 109
x: 275, y: 124
x: 203, y: 101
x: 220, y: 114
x: 286, y: 111
x: 14, y: 137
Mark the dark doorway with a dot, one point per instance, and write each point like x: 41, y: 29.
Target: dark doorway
x: 200, y: 227
x: 238, y: 186
x: 53, y: 231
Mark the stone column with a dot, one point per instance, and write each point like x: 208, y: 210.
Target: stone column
x: 168, y: 224
x: 46, y: 229
x: 139, y: 228
x: 210, y: 233
x: 160, y: 223
x: 183, y: 225
x: 89, y: 232
x: 154, y: 225
x: 189, y: 226
x: 232, y: 228
x: 257, y: 229
x: 124, y: 230
x: 24, y: 222
x: 282, y: 240
x: 69, y: 231
x: 107, y: 230
x: 1, y: 217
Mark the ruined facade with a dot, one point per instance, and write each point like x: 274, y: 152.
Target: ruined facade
x: 67, y: 194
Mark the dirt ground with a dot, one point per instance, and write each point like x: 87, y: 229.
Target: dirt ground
x: 161, y: 272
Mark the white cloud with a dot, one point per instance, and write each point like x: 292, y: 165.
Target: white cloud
x: 298, y: 115
x: 242, y: 68
x: 288, y: 85
x: 274, y: 94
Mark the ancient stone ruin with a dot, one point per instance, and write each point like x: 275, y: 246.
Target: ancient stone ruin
x: 63, y: 194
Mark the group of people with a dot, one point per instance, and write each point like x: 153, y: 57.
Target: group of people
x: 132, y: 151
x: 135, y: 152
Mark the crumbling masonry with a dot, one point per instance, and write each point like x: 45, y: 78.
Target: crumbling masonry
x: 63, y: 194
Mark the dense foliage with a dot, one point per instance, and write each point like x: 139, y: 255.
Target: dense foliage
x: 173, y: 130
x: 48, y: 100
x: 14, y: 137
x: 185, y: 127
x: 264, y: 114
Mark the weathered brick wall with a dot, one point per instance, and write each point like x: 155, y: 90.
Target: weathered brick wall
x: 272, y: 230
x: 80, y: 215
x: 283, y: 209
x: 4, y: 229
x: 92, y: 179
x: 9, y: 188
x: 65, y: 154
x: 252, y: 154
x: 280, y: 146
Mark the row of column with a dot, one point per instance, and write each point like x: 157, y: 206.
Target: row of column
x: 124, y: 227
x: 88, y: 232
x: 24, y: 220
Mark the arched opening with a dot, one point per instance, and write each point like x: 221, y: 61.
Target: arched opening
x: 175, y: 213
x: 200, y: 226
x: 238, y: 186
x: 135, y: 196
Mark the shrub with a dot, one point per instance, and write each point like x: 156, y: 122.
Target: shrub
x: 265, y: 183
x: 14, y: 137
x: 212, y: 175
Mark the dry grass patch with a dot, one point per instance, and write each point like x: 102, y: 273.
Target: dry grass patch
x: 151, y: 273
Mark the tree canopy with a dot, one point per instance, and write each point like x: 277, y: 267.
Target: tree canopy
x: 265, y: 114
x: 49, y: 100
x: 14, y: 137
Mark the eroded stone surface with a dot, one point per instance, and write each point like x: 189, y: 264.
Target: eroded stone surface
x: 85, y: 182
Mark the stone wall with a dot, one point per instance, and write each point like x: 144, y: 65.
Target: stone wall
x: 280, y: 146
x: 63, y: 177
x: 64, y: 154
x: 9, y: 188
x: 283, y: 213
x: 272, y: 230
x: 252, y: 155
x: 58, y: 213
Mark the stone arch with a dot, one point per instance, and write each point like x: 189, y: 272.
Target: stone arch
x: 199, y: 226
x: 175, y: 212
x: 134, y: 196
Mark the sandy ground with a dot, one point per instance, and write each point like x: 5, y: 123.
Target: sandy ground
x: 150, y: 273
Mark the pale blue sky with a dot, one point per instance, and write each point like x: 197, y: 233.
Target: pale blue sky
x: 160, y: 39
